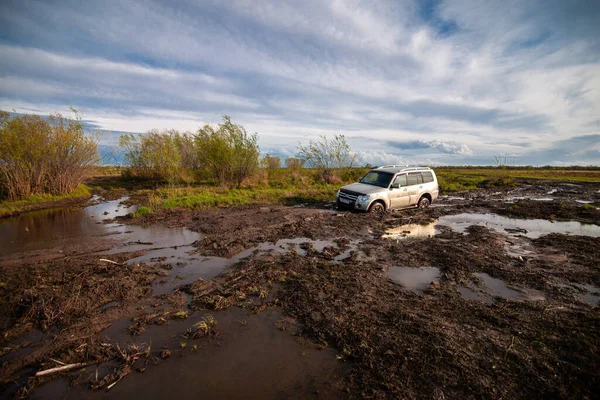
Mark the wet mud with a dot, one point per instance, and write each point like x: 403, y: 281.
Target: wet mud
x: 487, y: 294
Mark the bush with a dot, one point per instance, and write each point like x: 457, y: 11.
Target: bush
x: 271, y: 162
x: 228, y: 152
x: 327, y: 156
x: 294, y: 163
x: 39, y: 155
x: 158, y: 155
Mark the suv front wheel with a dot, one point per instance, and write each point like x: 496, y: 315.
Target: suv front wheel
x: 377, y: 208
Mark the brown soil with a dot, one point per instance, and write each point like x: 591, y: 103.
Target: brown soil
x: 543, y: 343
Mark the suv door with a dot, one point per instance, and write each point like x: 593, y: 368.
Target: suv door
x: 414, y: 186
x: 399, y: 197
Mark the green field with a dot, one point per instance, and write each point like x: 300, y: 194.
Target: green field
x: 284, y: 187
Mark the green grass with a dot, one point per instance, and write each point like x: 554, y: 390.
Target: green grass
x: 38, y: 201
x: 142, y: 211
x: 457, y: 179
x: 292, y: 187
x: 287, y: 187
x: 205, y: 197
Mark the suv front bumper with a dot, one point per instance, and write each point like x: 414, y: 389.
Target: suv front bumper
x: 344, y: 204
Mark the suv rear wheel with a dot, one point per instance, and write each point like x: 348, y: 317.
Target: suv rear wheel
x: 377, y: 208
x: 424, y: 202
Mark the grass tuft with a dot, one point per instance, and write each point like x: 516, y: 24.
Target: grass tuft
x: 142, y: 211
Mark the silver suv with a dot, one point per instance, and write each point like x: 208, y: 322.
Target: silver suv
x: 390, y: 187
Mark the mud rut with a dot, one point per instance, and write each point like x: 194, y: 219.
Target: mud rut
x: 298, y: 302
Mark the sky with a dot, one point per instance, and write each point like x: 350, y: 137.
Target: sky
x: 434, y: 82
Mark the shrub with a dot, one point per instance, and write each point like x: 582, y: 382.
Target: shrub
x: 294, y: 163
x: 39, y: 155
x: 327, y: 155
x: 271, y: 162
x: 157, y: 155
x: 228, y: 152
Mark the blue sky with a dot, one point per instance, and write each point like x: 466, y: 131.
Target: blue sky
x: 418, y: 82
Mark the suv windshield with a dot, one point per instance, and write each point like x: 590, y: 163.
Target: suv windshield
x: 377, y: 178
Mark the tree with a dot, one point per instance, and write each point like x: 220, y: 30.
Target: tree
x: 44, y: 155
x: 271, y: 162
x: 186, y: 145
x: 70, y: 155
x: 328, y: 154
x: 229, y: 152
x: 294, y: 163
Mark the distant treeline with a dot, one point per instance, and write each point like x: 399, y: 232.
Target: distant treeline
x: 227, y: 154
x: 43, y: 155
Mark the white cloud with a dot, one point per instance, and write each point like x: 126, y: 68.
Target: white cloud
x: 471, y: 78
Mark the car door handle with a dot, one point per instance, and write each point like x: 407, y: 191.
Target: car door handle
x: 405, y: 190
x: 420, y: 187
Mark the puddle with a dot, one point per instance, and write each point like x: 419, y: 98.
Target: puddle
x: 590, y: 294
x: 518, y: 198
x: 284, y: 245
x: 250, y: 358
x: 52, y: 228
x: 516, y: 248
x: 493, y: 288
x: 22, y: 346
x: 411, y: 231
x: 531, y: 228
x: 352, y: 247
x: 109, y: 305
x: 497, y: 287
x: 188, y: 268
x: 587, y: 293
x: 452, y: 198
x: 475, y: 295
x: 414, y: 279
x: 512, y: 199
x: 58, y: 230
x: 584, y: 202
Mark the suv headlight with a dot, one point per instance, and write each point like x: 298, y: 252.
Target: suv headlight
x: 362, y: 198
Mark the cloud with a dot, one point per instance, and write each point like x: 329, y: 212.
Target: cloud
x: 461, y: 80
x: 444, y: 147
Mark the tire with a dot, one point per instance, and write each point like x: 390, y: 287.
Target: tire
x: 423, y: 203
x: 377, y: 208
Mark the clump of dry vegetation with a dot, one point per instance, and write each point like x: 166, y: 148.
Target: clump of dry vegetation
x: 43, y: 155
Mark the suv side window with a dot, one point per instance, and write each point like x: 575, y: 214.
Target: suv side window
x: 400, y: 180
x: 415, y: 178
x: 427, y: 176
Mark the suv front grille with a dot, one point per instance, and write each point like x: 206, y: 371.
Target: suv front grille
x: 348, y: 196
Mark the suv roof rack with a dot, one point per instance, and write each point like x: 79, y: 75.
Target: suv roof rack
x: 404, y: 167
x: 391, y: 166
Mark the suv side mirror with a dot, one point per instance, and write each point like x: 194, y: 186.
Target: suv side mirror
x: 395, y: 186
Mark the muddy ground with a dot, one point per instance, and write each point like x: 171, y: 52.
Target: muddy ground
x: 440, y: 303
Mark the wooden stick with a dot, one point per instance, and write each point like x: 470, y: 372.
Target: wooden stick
x: 113, y: 384
x: 109, y: 261
x: 61, y: 369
